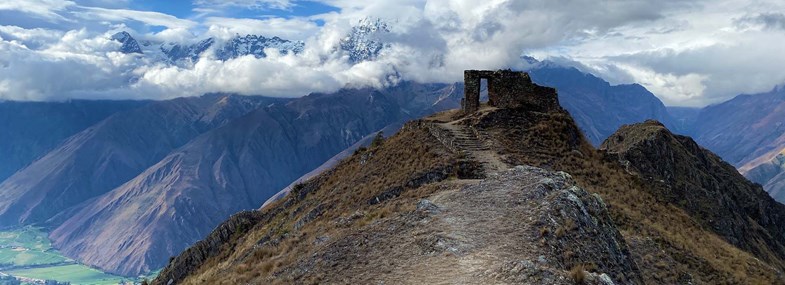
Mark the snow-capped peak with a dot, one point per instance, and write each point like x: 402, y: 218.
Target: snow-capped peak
x: 129, y: 43
x: 181, y: 53
x: 364, y: 42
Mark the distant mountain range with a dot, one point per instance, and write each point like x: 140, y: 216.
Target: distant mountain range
x: 190, y: 53
x: 126, y: 185
x: 598, y: 107
x: 749, y: 132
x: 364, y: 42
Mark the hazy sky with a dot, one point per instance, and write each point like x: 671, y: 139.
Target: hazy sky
x: 688, y: 53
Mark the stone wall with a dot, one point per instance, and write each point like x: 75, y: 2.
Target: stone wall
x: 507, y: 89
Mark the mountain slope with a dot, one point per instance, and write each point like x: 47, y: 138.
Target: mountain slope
x: 744, y: 128
x: 29, y: 129
x: 136, y: 227
x: 684, y: 117
x: 769, y: 171
x: 412, y: 240
x: 712, y: 191
x: 749, y: 132
x: 432, y: 187
x: 111, y: 152
x: 598, y: 107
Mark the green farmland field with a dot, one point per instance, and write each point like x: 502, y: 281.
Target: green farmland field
x: 27, y: 252
x: 74, y: 273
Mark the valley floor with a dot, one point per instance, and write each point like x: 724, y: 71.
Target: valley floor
x: 27, y: 254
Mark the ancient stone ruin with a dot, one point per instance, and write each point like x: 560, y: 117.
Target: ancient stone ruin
x: 507, y: 89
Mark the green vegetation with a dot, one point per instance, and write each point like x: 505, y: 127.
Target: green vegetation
x: 28, y: 237
x: 74, y: 273
x: 27, y: 247
x: 27, y: 252
x: 27, y: 257
x: 378, y: 140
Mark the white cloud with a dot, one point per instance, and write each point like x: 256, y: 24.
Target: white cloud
x: 292, y: 29
x: 46, y: 9
x: 32, y: 38
x: 694, y: 56
x: 147, y: 17
x: 687, y: 52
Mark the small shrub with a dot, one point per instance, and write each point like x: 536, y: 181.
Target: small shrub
x: 267, y: 267
x: 378, y: 140
x: 298, y: 187
x: 544, y: 231
x: 578, y: 274
x: 560, y: 232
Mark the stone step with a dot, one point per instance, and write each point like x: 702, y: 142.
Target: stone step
x: 478, y: 147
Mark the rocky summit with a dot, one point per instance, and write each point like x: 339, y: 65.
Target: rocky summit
x: 506, y: 194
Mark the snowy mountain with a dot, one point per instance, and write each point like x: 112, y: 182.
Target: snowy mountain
x: 365, y: 41
x: 179, y: 53
x: 175, y: 52
x: 255, y: 45
x: 130, y: 45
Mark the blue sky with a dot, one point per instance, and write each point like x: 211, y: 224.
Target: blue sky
x: 687, y: 52
x: 188, y: 9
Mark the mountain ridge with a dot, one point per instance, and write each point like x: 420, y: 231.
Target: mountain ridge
x: 369, y: 197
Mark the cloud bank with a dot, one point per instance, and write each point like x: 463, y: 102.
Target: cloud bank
x: 689, y: 53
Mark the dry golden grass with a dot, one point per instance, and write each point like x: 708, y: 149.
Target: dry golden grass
x: 665, y: 241
x: 578, y: 274
x: 549, y: 141
x: 345, y: 193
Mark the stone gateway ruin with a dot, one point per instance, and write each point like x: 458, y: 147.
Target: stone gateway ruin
x: 507, y: 89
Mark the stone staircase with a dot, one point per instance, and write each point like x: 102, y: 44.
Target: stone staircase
x: 464, y: 139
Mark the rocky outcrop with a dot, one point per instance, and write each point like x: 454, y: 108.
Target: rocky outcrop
x: 698, y: 181
x: 129, y: 44
x: 524, y: 225
x: 218, y: 239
